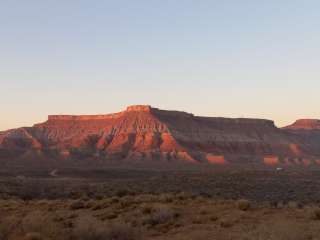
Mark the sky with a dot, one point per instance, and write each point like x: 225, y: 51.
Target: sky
x: 231, y: 58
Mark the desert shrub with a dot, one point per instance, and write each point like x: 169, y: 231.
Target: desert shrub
x: 160, y: 214
x: 125, y: 202
x: 198, y: 234
x: 101, y: 205
x: 8, y: 226
x: 315, y: 213
x: 145, y: 198
x: 197, y: 220
x: 33, y: 236
x: 114, y: 200
x: 122, y: 192
x: 214, y: 218
x: 183, y: 196
x: 281, y: 229
x: 98, y: 196
x: 146, y: 208
x: 226, y: 222
x: 121, y: 231
x: 89, y: 228
x: 280, y: 205
x: 243, y: 204
x: 109, y: 215
x: 97, y: 206
x: 76, y: 205
x: 166, y: 198
x: 293, y: 204
x: 203, y: 211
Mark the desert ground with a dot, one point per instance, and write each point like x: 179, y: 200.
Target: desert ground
x: 123, y: 203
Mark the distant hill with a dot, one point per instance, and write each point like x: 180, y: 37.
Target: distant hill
x: 143, y: 133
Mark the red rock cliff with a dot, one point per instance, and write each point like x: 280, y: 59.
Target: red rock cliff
x: 305, y: 124
x: 145, y: 133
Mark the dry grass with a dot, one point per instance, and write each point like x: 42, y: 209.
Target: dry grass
x: 89, y: 228
x: 282, y: 229
x: 159, y: 214
x: 158, y: 217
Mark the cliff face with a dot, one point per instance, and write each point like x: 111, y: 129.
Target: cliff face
x: 307, y: 131
x: 146, y: 133
x: 305, y: 124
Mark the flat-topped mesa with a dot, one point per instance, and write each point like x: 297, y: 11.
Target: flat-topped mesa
x: 84, y: 117
x: 305, y: 124
x: 134, y: 108
x: 139, y: 108
x: 240, y: 122
x: 141, y: 132
x: 255, y: 122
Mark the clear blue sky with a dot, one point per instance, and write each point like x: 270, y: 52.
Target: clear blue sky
x: 217, y: 58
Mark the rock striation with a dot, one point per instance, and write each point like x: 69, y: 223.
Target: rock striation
x: 144, y: 133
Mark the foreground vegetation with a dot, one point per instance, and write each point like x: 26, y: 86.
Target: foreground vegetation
x: 143, y: 204
x: 163, y: 216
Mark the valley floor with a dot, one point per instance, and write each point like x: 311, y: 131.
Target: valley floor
x: 259, y: 185
x: 131, y: 204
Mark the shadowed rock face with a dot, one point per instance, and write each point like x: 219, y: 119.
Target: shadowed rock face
x: 146, y: 133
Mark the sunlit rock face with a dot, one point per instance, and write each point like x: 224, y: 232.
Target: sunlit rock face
x: 305, y: 124
x: 271, y: 160
x: 306, y: 132
x: 144, y: 133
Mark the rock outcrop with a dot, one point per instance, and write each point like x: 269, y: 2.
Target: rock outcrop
x: 305, y: 124
x: 149, y: 134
